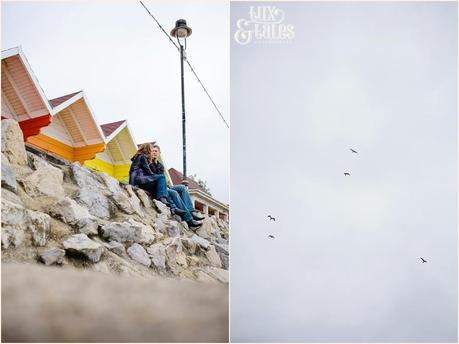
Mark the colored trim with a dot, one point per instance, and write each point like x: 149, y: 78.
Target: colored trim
x: 32, y: 127
x: 88, y: 152
x: 100, y: 165
x: 51, y: 145
x: 120, y: 172
x: 67, y: 152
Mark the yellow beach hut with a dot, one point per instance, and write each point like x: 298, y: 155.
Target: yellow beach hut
x: 73, y: 134
x: 116, y: 159
x: 22, y: 96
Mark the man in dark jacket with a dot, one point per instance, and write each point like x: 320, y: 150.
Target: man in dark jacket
x: 178, y: 194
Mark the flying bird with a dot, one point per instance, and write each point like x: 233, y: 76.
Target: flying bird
x: 353, y: 151
x: 423, y: 260
x: 271, y: 218
x: 271, y: 236
x: 347, y: 174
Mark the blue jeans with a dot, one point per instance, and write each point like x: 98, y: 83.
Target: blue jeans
x: 182, y: 190
x: 179, y: 198
x: 157, y: 187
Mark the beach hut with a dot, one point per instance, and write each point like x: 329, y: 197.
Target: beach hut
x: 22, y: 96
x: 73, y: 134
x: 116, y: 159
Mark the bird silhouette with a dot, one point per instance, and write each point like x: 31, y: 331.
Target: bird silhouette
x: 423, y: 260
x: 353, y: 151
x: 271, y: 218
x: 271, y: 236
x: 347, y: 174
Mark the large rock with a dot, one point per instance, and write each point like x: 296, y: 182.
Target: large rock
x: 53, y: 256
x: 213, y: 257
x: 189, y: 245
x: 96, y: 202
x: 46, y: 180
x: 158, y: 255
x: 134, y: 199
x: 163, y: 209
x: 144, y: 198
x: 138, y: 253
x: 201, y: 242
x: 219, y: 274
x: 176, y: 259
x: 90, y: 192
x: 116, y: 247
x: 173, y: 229
x: 81, y: 244
x: 23, y: 226
x: 128, y: 232
x: 8, y: 177
x: 112, y: 184
x: 206, y: 230
x: 75, y: 215
x: 223, y: 252
x: 13, y: 142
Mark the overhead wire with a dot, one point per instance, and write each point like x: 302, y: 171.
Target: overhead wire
x: 188, y: 63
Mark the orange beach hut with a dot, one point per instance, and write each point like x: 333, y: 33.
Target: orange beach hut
x: 73, y: 134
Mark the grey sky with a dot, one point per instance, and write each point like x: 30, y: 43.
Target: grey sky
x: 345, y: 267
x: 128, y: 69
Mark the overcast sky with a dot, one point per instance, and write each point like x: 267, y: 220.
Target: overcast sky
x: 345, y: 265
x: 115, y: 52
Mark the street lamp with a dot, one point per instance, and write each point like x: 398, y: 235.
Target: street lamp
x: 181, y: 31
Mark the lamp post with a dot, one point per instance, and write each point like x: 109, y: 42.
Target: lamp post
x: 181, y: 31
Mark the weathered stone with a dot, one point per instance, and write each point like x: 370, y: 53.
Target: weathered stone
x: 180, y: 259
x: 175, y: 258
x: 88, y: 226
x: 146, y: 201
x: 161, y: 225
x: 173, y: 229
x: 158, y: 255
x: 20, y: 225
x: 116, y: 247
x: 162, y: 208
x: 213, y: 257
x: 219, y: 274
x: 123, y: 203
x: 189, y: 245
x: 84, y: 177
x: 138, y: 253
x: 133, y: 199
x: 223, y: 252
x: 53, y: 256
x: 72, y: 213
x: 112, y: 184
x: 46, y: 180
x: 127, y: 201
x: 90, y: 192
x: 201, y: 276
x: 95, y: 201
x: 80, y: 243
x: 8, y: 177
x: 205, y: 231
x: 201, y: 242
x: 193, y: 261
x: 128, y: 232
x: 13, y: 142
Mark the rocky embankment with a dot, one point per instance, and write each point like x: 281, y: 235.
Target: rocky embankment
x: 62, y: 214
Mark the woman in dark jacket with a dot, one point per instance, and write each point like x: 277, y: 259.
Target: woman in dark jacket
x: 141, y: 175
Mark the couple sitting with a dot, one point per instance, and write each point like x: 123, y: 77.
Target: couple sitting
x: 147, y: 173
